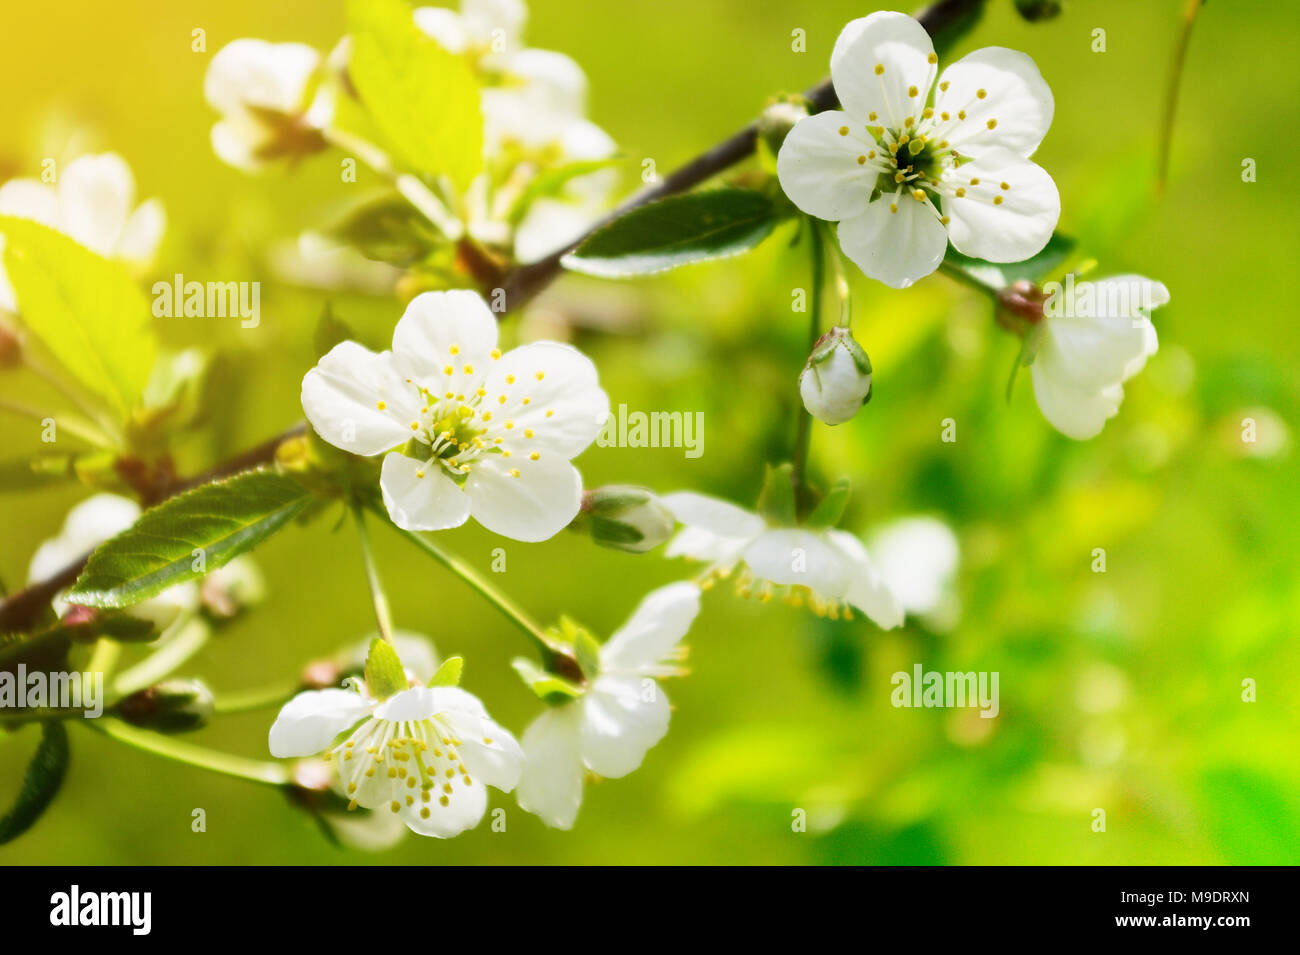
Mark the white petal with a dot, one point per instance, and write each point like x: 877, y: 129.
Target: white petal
x: 798, y: 557
x: 498, y: 763
x: 1091, y: 353
x: 1076, y: 413
x: 30, y: 199
x: 535, y: 506
x: 655, y: 627
x: 623, y: 717
x: 465, y: 807
x: 237, y: 140
x: 866, y: 589
x: 96, y: 194
x: 444, y: 26
x: 818, y: 166
x: 551, y: 784
x: 310, y: 721
x: 895, y: 248
x: 1016, y: 96
x: 916, y: 558
x: 141, y: 234
x: 342, y: 394
x: 548, y: 225
x: 482, y: 17
x: 566, y: 407
x: 250, y: 72
x: 420, y: 496
x: 899, y: 44
x: 713, y: 514
x: 414, y: 705
x: 87, y: 525
x: 554, y: 81
x: 1014, y: 229
x: 445, y: 328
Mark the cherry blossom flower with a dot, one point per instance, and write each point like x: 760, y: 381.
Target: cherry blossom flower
x: 828, y: 570
x: 618, y: 716
x: 427, y: 754
x: 465, y: 429
x: 907, y: 165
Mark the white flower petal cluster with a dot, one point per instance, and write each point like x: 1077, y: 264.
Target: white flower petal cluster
x: 828, y: 570
x: 264, y: 93
x: 427, y: 754
x: 621, y: 714
x: 915, y: 158
x: 1100, y: 339
x: 92, y: 201
x: 465, y: 429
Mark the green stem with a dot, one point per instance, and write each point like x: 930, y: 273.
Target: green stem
x: 959, y: 275
x: 382, y: 615
x: 485, y: 590
x: 1171, y: 93
x: 86, y: 432
x: 803, y: 426
x: 270, y: 774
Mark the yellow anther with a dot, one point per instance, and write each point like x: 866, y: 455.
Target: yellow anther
x: 961, y: 191
x: 510, y: 379
x: 448, y: 370
x: 487, y: 416
x: 844, y: 130
x: 468, y: 369
x: 975, y: 181
x: 871, y: 154
x: 944, y: 220
x: 1006, y: 185
x: 862, y: 160
x: 514, y: 472
x: 871, y: 116
x: 496, y: 353
x: 381, y: 405
x: 943, y: 87
x: 880, y: 69
x: 510, y: 425
x: 932, y: 59
x: 992, y: 123
x: 893, y: 207
x: 944, y: 116
x: 961, y: 114
x: 912, y: 91
x: 997, y: 200
x: 549, y: 412
x: 501, y: 400
x: 528, y: 432
x: 898, y: 177
x: 415, y: 426
x: 918, y: 194
x: 454, y: 349
x: 927, y: 112
x: 419, y: 474
x: 908, y: 122
x: 396, y: 806
x: 981, y: 93
x: 534, y: 456
x: 540, y: 375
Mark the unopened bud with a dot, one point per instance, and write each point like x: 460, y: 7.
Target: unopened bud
x: 836, y: 381
x: 1035, y: 10
x: 172, y: 706
x: 776, y: 121
x: 626, y: 518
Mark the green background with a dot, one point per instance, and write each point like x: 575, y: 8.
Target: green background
x: 1119, y: 691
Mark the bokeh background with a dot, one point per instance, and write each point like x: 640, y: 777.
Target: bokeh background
x: 1119, y: 690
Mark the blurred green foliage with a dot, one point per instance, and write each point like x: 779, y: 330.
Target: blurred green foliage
x: 1119, y: 690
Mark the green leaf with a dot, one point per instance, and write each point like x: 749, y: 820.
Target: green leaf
x: 86, y: 310
x: 384, y: 673
x: 547, y: 686
x: 587, y: 652
x: 449, y: 673
x: 998, y: 275
x: 776, y: 500
x: 387, y: 228
x: 222, y: 520
x: 830, y: 509
x: 676, y: 231
x: 40, y: 784
x: 423, y: 100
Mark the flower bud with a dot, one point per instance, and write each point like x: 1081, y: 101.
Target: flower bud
x: 836, y: 381
x: 776, y: 120
x: 172, y: 706
x: 626, y: 518
x: 1035, y: 10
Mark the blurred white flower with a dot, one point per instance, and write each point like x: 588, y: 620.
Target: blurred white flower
x: 464, y: 429
x: 903, y: 172
x: 90, y: 523
x: 93, y: 202
x: 621, y: 714
x: 918, y: 559
x: 1094, y: 337
x: 263, y: 92
x: 827, y: 569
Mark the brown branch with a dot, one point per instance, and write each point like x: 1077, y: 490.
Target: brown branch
x: 19, y: 610
x: 523, y: 283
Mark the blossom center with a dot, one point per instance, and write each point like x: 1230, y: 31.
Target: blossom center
x: 401, y: 764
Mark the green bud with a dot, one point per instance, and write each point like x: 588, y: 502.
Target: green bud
x: 1035, y: 10
x: 836, y: 381
x: 774, y: 123
x: 172, y: 706
x: 626, y: 518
